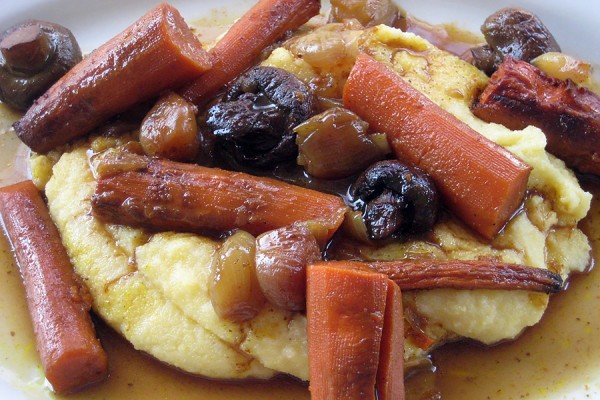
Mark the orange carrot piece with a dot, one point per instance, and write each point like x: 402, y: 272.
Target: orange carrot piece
x: 480, y: 181
x: 168, y: 195
x: 240, y: 47
x: 390, y: 375
x: 345, y: 314
x: 157, y: 52
x: 70, y: 352
x: 459, y: 274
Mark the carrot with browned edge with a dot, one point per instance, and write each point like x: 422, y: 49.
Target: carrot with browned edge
x: 390, y: 374
x: 240, y: 47
x: 157, y: 52
x: 461, y: 274
x: 345, y: 316
x: 70, y: 352
x: 480, y: 181
x: 167, y: 195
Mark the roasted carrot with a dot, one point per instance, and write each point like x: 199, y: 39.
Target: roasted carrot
x: 70, y: 352
x: 480, y: 181
x: 345, y: 314
x: 519, y: 95
x: 166, y: 195
x: 240, y: 47
x: 459, y: 274
x: 390, y: 374
x: 157, y: 52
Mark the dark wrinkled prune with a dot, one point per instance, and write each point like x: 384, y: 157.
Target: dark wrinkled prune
x: 254, y: 122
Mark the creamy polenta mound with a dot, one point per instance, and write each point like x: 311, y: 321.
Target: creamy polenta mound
x: 153, y: 288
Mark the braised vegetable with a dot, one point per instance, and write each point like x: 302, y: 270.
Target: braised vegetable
x: 335, y: 144
x: 168, y: 195
x: 35, y: 54
x: 562, y: 66
x: 459, y: 274
x: 281, y: 259
x: 157, y: 52
x: 519, y: 95
x: 480, y: 181
x: 512, y: 32
x: 397, y: 199
x: 390, y: 374
x: 240, y: 47
x: 234, y: 290
x: 345, y: 316
x: 367, y: 12
x: 169, y: 130
x: 71, y: 355
x: 254, y: 122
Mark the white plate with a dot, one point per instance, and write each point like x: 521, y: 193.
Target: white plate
x: 574, y: 24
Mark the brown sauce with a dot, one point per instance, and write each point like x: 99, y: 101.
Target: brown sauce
x: 559, y: 355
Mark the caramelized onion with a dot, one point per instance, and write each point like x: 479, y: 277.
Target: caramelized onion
x: 169, y: 130
x: 335, y: 144
x: 561, y: 66
x: 281, y: 259
x: 234, y: 290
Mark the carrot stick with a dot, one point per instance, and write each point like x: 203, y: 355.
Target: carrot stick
x: 167, y: 195
x: 345, y: 314
x: 390, y: 374
x: 480, y: 181
x: 70, y: 352
x: 157, y: 52
x: 459, y: 274
x: 238, y: 50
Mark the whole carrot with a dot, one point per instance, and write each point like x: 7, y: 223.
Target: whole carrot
x: 70, y: 352
x: 480, y: 181
x: 157, y: 52
x: 167, y: 195
x: 239, y: 49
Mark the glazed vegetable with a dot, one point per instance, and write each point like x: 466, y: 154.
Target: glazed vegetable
x: 345, y: 317
x: 562, y: 66
x: 281, y: 259
x: 519, y: 95
x: 512, y: 32
x: 390, y: 374
x: 234, y: 290
x: 69, y: 350
x: 157, y: 52
x: 335, y: 144
x: 480, y: 181
x: 167, y: 195
x: 367, y: 12
x: 169, y: 130
x: 397, y: 199
x: 459, y: 274
x: 240, y: 47
x: 35, y: 54
x: 254, y: 122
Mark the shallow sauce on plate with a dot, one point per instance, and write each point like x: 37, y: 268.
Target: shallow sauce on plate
x: 555, y: 358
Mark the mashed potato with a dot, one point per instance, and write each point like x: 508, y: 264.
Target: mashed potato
x: 153, y: 288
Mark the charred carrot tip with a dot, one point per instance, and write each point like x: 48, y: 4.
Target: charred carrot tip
x: 458, y: 274
x: 71, y: 354
x: 480, y: 181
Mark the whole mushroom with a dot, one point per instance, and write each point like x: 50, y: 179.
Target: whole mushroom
x: 34, y: 54
x: 512, y: 32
